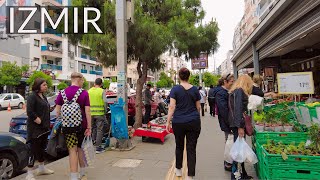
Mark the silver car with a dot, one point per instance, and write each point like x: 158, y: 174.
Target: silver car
x: 15, y: 100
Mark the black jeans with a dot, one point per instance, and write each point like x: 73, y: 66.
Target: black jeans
x: 192, y: 131
x: 212, y: 105
x: 202, y: 108
x: 235, y: 164
x: 37, y: 146
x: 147, y: 113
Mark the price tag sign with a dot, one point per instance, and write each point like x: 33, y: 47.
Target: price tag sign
x: 296, y: 83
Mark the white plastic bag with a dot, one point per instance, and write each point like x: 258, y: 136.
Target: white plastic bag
x: 227, y: 149
x: 242, y: 152
x: 89, y: 150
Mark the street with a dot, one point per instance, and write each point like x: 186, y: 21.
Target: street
x: 6, y: 116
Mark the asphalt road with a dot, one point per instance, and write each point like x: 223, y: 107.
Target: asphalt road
x: 6, y: 116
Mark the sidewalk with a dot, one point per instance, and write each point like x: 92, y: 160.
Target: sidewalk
x: 156, y: 159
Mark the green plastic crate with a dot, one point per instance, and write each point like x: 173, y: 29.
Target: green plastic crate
x: 271, y: 166
x: 312, y: 111
x: 285, y: 137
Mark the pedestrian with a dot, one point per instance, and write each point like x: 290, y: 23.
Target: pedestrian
x: 147, y: 107
x: 75, y: 137
x: 38, y: 127
x: 185, y: 109
x: 221, y: 98
x: 211, y: 100
x: 238, y: 102
x: 256, y: 90
x: 98, y: 114
x: 203, y: 99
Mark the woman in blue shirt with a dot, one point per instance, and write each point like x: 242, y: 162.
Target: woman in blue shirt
x: 185, y: 109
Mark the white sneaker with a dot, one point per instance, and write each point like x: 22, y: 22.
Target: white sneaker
x: 45, y: 171
x: 30, y: 177
x: 178, y: 172
x: 190, y: 178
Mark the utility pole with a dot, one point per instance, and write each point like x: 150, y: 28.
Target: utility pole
x: 200, y: 78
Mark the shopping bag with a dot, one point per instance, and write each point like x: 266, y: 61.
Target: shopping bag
x: 227, y: 149
x: 89, y: 151
x: 242, y: 152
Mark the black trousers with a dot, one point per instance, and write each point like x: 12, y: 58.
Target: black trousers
x: 147, y: 113
x: 37, y: 146
x: 212, y: 105
x: 191, y: 131
x: 202, y: 108
x: 235, y: 164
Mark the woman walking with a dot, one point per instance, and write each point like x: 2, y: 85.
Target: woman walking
x: 238, y: 102
x: 203, y: 99
x: 38, y: 127
x: 185, y: 109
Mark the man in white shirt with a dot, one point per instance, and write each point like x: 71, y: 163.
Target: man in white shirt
x: 203, y: 99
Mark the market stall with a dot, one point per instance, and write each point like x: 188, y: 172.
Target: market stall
x: 286, y: 138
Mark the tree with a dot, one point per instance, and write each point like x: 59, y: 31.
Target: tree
x: 106, y: 84
x: 62, y: 85
x: 113, y: 79
x: 151, y: 83
x: 85, y: 84
x: 39, y: 74
x: 210, y: 79
x: 10, y: 74
x: 160, y: 26
x: 194, y: 79
x: 164, y: 81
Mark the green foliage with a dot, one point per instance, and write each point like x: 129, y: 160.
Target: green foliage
x: 25, y: 68
x: 62, y: 85
x: 152, y: 84
x: 210, y: 79
x: 194, y: 79
x: 164, y: 81
x: 85, y: 84
x: 10, y: 74
x: 314, y: 134
x: 113, y: 79
x: 39, y: 74
x: 106, y: 84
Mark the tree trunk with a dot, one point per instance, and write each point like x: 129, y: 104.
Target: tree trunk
x: 138, y: 104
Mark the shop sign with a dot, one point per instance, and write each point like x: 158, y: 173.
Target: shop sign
x: 296, y: 83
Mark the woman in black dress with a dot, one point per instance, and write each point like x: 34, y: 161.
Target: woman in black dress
x: 38, y: 127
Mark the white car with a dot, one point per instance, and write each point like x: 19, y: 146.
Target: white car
x: 15, y: 100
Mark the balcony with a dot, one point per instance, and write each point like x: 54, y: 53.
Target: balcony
x: 99, y: 73
x: 84, y: 71
x: 93, y: 72
x: 93, y: 58
x: 84, y: 56
x: 51, y: 67
x: 51, y: 51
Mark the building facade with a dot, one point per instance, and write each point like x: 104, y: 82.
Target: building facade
x: 172, y: 65
x: 226, y: 65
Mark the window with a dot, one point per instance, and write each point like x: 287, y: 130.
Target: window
x: 36, y: 59
x: 15, y: 96
x: 91, y: 68
x: 83, y: 66
x: 112, y: 68
x: 8, y: 97
x: 49, y: 61
x: 36, y: 42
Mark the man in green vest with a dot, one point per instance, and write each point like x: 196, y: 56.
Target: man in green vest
x: 98, y: 113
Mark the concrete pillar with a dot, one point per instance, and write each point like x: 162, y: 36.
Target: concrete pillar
x: 255, y: 59
x: 235, y: 70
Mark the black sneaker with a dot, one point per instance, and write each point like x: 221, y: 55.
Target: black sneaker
x: 100, y: 150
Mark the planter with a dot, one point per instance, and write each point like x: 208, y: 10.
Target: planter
x: 259, y: 127
x: 269, y: 128
x: 278, y: 128
x: 288, y: 128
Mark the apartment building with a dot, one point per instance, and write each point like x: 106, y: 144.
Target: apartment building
x: 172, y: 64
x: 264, y: 7
x: 227, y: 65
x: 52, y: 52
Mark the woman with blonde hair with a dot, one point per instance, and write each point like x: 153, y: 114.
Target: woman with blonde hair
x: 238, y: 102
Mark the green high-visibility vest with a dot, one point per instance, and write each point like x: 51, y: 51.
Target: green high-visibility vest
x: 96, y: 101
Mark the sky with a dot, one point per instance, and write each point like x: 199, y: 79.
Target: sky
x: 228, y: 14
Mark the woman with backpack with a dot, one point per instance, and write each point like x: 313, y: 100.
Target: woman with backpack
x: 38, y: 127
x: 74, y: 102
x: 185, y: 109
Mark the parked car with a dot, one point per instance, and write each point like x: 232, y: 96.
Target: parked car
x: 14, y: 154
x: 18, y: 124
x: 15, y: 100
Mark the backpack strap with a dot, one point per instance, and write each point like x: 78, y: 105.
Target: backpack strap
x: 76, y: 96
x: 64, y: 96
